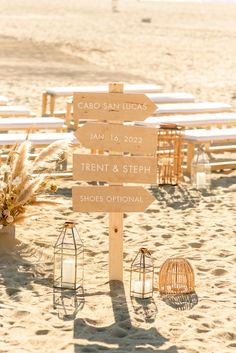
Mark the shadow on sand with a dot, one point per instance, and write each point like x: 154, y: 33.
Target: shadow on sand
x: 177, y: 197
x: 121, y: 336
x: 21, y: 266
x: 181, y: 301
x: 68, y: 302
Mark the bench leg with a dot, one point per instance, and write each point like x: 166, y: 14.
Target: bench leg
x: 44, y: 103
x: 68, y: 113
x: 190, y: 155
x: 52, y: 105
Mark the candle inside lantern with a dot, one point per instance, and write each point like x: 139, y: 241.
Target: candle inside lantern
x: 68, y: 272
x: 201, y: 180
x: 142, y: 289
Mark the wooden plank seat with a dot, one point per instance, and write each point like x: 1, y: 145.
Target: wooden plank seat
x: 50, y: 94
x: 192, y: 108
x: 37, y: 139
x: 193, y: 120
x: 159, y: 98
x: 208, y: 137
x: 14, y: 110
x: 171, y: 97
x: 4, y: 100
x: 32, y: 124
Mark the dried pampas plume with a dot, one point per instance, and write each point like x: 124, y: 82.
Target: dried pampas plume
x: 51, y: 153
x: 29, y: 190
x: 20, y: 160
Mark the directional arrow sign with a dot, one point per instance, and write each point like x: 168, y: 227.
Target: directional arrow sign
x: 110, y: 198
x: 112, y: 106
x: 118, y: 138
x: 114, y: 169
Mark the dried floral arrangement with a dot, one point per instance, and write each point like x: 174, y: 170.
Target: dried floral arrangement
x: 22, y: 180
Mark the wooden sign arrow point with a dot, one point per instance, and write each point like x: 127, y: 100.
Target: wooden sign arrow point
x: 111, y: 199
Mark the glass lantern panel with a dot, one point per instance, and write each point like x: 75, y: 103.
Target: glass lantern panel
x: 142, y: 262
x: 68, y: 259
x: 141, y: 284
x: 201, y: 171
x: 57, y: 268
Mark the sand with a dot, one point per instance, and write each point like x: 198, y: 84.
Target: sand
x: 185, y: 47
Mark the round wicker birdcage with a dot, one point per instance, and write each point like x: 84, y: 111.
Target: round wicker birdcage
x: 176, y: 276
x: 169, y: 154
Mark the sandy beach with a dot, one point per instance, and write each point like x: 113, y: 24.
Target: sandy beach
x: 188, y: 47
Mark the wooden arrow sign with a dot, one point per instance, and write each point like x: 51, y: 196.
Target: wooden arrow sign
x: 112, y: 106
x: 110, y: 198
x: 118, y: 138
x: 115, y: 169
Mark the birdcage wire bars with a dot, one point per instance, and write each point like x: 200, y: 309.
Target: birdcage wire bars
x: 176, y: 276
x: 169, y: 154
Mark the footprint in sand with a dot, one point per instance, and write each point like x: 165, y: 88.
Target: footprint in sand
x: 202, y: 269
x: 227, y: 335
x: 232, y: 345
x: 166, y: 236
x: 147, y: 227
x: 202, y: 330
x: 12, y: 291
x: 222, y: 284
x: 195, y: 245
x: 22, y: 313
x: 219, y: 272
x: 99, y: 217
x: 42, y: 332
x: 195, y: 317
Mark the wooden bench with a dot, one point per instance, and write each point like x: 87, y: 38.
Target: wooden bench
x: 3, y: 100
x: 37, y: 139
x: 14, y: 110
x: 193, y: 120
x: 158, y: 98
x: 192, y: 108
x: 171, y: 97
x: 32, y: 124
x: 50, y: 94
x: 207, y: 137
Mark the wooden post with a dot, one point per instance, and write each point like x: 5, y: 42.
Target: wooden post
x: 116, y: 225
x: 52, y: 105
x: 190, y: 155
x: 69, y: 105
x: 44, y: 103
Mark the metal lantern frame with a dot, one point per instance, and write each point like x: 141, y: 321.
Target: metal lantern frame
x: 169, y: 154
x: 142, y: 275
x: 176, y: 276
x: 201, y: 169
x: 68, y: 269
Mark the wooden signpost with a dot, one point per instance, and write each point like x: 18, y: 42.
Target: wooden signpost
x: 112, y: 106
x: 119, y: 138
x: 114, y: 168
x: 111, y: 198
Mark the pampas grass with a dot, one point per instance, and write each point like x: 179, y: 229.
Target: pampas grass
x: 20, y: 160
x: 21, y: 180
x: 50, y: 154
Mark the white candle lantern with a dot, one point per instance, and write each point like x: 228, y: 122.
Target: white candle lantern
x: 142, y: 274
x: 68, y: 259
x: 201, y: 169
